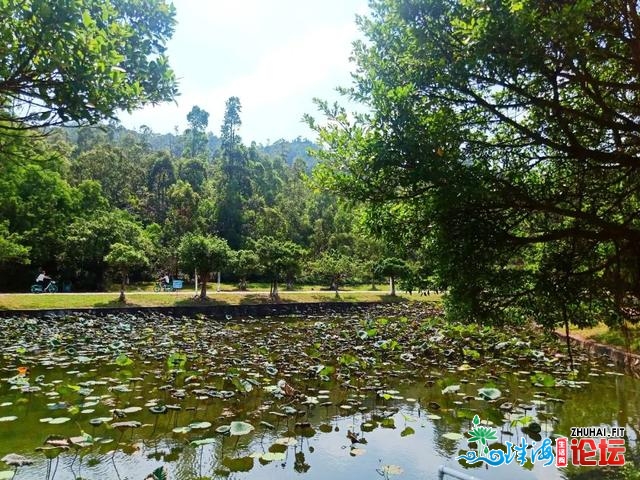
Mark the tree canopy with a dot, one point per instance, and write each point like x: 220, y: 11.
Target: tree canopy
x: 500, y: 135
x: 82, y: 60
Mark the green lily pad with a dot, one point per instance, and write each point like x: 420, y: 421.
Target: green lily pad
x: 203, y: 441
x: 181, y: 430
x: 223, y: 429
x: 200, y: 425
x: 242, y: 464
x: 451, y: 389
x: 272, y: 456
x: 407, y: 431
x: 240, y: 428
x: 132, y: 409
x: 489, y: 393
x: 452, y: 436
x: 58, y: 420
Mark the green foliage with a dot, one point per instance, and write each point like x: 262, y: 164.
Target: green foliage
x: 244, y: 263
x: 485, y: 144
x: 10, y: 248
x: 88, y: 241
x: 230, y: 124
x: 278, y: 258
x: 82, y: 60
x: 333, y: 268
x: 123, y: 258
x: 204, y: 254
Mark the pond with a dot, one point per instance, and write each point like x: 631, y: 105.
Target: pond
x: 385, y: 393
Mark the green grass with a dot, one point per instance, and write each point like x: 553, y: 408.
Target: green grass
x: 135, y: 298
x: 609, y: 336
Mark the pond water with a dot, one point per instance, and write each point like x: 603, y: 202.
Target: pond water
x: 387, y: 393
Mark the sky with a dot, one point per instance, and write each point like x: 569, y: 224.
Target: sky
x: 274, y: 55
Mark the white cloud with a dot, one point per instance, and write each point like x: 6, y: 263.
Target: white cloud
x: 274, y: 63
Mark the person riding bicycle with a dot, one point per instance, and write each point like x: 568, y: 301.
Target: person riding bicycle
x: 43, y: 279
x: 165, y: 280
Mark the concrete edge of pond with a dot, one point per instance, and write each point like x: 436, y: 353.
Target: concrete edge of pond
x: 214, y: 311
x: 630, y: 361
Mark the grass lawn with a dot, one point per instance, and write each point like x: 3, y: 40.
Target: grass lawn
x: 184, y: 298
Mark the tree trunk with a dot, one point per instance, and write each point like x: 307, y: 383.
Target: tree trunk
x: 122, y: 298
x: 393, y: 286
x: 565, y: 319
x: 203, y: 290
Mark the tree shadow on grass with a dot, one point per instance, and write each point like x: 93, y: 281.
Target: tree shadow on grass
x: 262, y: 299
x: 116, y: 303
x: 198, y: 302
x: 393, y: 299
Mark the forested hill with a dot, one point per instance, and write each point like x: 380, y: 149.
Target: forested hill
x: 288, y: 150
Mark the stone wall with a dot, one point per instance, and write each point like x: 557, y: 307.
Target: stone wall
x: 214, y: 311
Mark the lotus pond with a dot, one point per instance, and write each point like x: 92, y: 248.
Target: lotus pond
x: 384, y: 393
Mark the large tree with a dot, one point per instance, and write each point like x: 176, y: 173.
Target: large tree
x: 277, y: 258
x: 499, y: 131
x: 123, y: 258
x: 82, y: 60
x: 204, y: 254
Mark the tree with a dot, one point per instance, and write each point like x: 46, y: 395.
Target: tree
x: 88, y: 240
x: 230, y: 124
x: 277, y: 257
x: 498, y: 130
x: 392, y: 268
x: 204, y: 254
x: 243, y: 264
x: 82, y: 61
x: 160, y: 178
x: 334, y: 268
x: 11, y: 251
x: 195, y: 136
x: 122, y: 258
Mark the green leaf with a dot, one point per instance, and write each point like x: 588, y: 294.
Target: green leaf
x: 123, y: 361
x: 240, y: 428
x: 489, y: 393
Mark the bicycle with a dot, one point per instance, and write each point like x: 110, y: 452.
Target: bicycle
x: 38, y: 288
x: 163, y: 287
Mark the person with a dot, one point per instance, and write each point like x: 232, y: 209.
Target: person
x: 42, y: 278
x: 165, y: 280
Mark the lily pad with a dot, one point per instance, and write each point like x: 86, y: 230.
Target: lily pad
x: 286, y: 441
x: 489, y: 393
x: 181, y: 430
x: 452, y: 436
x: 240, y: 428
x: 451, y: 389
x: 58, y: 420
x: 272, y: 456
x: 200, y: 425
x: 391, y: 470
x: 242, y: 464
x: 203, y: 441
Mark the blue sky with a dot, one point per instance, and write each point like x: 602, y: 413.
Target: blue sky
x: 275, y: 55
